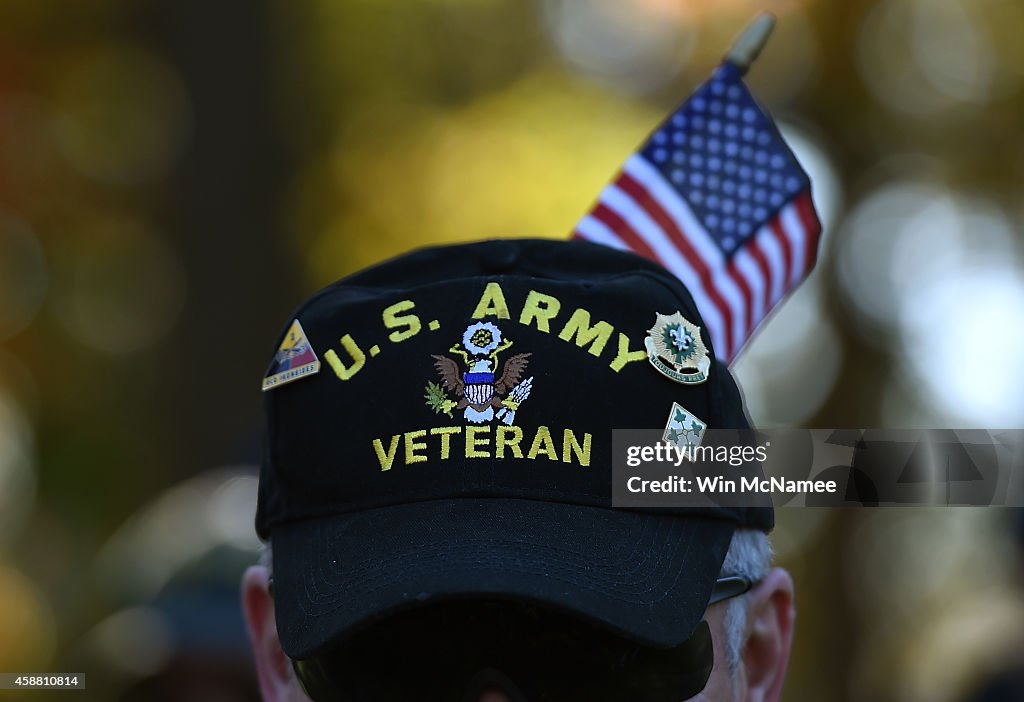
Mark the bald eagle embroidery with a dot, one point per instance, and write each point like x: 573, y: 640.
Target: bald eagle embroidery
x: 479, y: 392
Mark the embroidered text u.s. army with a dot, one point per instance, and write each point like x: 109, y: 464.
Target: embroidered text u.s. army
x: 539, y: 310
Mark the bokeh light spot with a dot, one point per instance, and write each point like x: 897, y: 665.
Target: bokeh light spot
x: 621, y: 44
x: 124, y: 114
x: 951, y: 50
x: 789, y: 367
x: 27, y: 637
x: 964, y: 339
x: 137, y: 641
x: 17, y: 470
x: 23, y: 275
x: 122, y: 287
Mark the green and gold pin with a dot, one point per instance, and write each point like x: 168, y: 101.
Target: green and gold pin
x: 675, y: 349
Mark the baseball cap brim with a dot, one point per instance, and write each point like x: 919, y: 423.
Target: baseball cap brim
x: 646, y: 576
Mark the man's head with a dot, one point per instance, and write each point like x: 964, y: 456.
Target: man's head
x: 454, y: 452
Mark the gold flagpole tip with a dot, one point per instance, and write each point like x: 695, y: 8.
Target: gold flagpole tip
x: 749, y: 44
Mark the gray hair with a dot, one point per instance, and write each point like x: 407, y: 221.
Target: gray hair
x: 749, y: 556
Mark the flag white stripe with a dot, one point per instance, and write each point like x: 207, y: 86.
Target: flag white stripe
x: 593, y: 229
x: 794, y: 230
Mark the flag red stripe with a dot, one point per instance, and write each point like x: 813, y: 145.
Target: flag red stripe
x: 766, y: 270
x: 812, y: 226
x: 618, y: 225
x: 643, y: 198
x: 748, y: 298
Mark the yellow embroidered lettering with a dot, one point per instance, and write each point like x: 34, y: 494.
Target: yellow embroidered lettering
x: 446, y: 439
x: 579, y: 326
x: 570, y: 446
x: 492, y: 303
x: 340, y: 369
x: 412, y: 446
x: 473, y: 443
x: 508, y: 437
x: 542, y: 444
x: 541, y: 307
x: 625, y: 355
x: 386, y: 458
x: 393, y: 319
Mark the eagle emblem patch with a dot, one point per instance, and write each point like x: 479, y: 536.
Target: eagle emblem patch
x: 478, y: 390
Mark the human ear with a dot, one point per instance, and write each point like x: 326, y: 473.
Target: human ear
x: 769, y: 636
x: 273, y: 668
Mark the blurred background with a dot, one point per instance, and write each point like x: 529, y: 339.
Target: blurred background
x: 175, y: 177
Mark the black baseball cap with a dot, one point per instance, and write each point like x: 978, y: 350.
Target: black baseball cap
x: 439, y: 426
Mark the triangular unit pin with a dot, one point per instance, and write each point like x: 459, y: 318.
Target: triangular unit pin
x: 294, y: 359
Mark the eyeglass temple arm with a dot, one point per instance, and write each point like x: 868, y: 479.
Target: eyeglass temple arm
x: 729, y: 587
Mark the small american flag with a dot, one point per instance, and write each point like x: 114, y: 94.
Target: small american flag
x: 716, y: 197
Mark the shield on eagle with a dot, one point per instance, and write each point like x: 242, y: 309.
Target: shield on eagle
x: 479, y: 387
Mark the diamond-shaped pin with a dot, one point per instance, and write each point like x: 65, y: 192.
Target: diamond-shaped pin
x: 683, y: 429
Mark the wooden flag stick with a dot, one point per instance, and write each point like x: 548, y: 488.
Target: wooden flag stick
x: 749, y: 44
